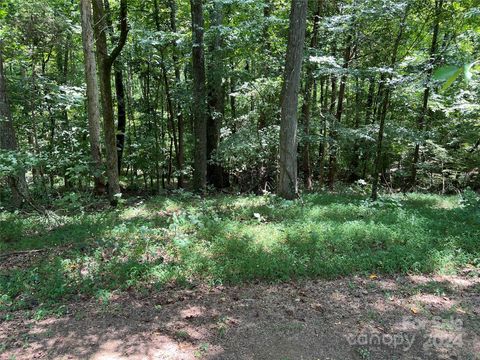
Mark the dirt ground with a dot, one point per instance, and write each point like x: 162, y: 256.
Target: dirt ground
x: 412, y: 317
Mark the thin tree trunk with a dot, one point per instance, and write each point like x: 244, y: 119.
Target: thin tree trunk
x: 427, y: 90
x: 287, y: 185
x: 384, y: 109
x: 93, y: 102
x: 338, y: 115
x: 307, y: 104
x: 179, y: 111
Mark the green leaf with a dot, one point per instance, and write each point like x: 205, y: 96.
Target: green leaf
x: 452, y: 78
x: 444, y: 73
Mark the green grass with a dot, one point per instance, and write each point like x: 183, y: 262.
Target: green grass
x: 184, y: 240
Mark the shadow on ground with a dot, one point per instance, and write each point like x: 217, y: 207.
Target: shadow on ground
x: 352, y: 318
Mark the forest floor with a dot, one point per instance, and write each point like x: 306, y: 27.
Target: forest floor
x: 243, y: 277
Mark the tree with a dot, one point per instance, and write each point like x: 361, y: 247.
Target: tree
x: 199, y: 97
x: 93, y: 104
x: 384, y: 108
x: 119, y: 92
x: 288, y: 185
x: 105, y: 73
x: 8, y: 139
x: 215, y: 97
x: 307, y: 102
x: 427, y: 90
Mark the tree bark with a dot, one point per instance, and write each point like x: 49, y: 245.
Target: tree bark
x: 105, y: 67
x: 287, y: 185
x: 8, y: 139
x: 93, y: 102
x: 199, y: 97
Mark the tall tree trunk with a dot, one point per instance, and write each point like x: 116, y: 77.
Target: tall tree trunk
x: 307, y: 104
x: 338, y: 115
x: 384, y: 108
x: 8, y: 139
x: 93, y: 104
x: 216, y: 98
x: 180, y: 121
x: 119, y: 92
x: 287, y: 185
x: 427, y: 89
x: 199, y: 97
x: 105, y: 67
x: 121, y: 115
x: 353, y: 176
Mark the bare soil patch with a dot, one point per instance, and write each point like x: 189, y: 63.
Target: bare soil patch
x: 405, y: 317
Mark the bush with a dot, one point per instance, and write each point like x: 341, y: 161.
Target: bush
x: 11, y: 230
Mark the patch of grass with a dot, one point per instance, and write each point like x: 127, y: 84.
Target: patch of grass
x: 182, y: 335
x: 435, y: 288
x: 185, y: 239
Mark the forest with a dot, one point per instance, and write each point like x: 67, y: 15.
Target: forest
x: 196, y: 169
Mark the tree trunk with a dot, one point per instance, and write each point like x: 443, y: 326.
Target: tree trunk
x: 122, y: 114
x: 8, y: 139
x: 216, y: 98
x: 426, y: 91
x: 199, y: 97
x: 332, y: 169
x: 384, y: 109
x: 93, y: 104
x: 179, y: 112
x: 105, y: 67
x: 119, y: 93
x: 287, y: 185
x: 307, y: 104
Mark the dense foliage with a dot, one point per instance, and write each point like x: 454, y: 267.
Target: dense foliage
x: 372, y: 92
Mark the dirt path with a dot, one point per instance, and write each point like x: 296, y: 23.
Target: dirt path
x: 353, y: 318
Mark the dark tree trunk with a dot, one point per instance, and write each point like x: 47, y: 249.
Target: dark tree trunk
x: 287, y: 185
x: 369, y: 103
x: 179, y: 112
x: 119, y: 93
x: 121, y: 115
x: 216, y: 98
x: 199, y: 97
x: 307, y: 104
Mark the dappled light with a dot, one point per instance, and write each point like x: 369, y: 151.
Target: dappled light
x: 239, y: 179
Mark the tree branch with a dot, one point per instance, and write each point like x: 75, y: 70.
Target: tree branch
x: 123, y: 33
